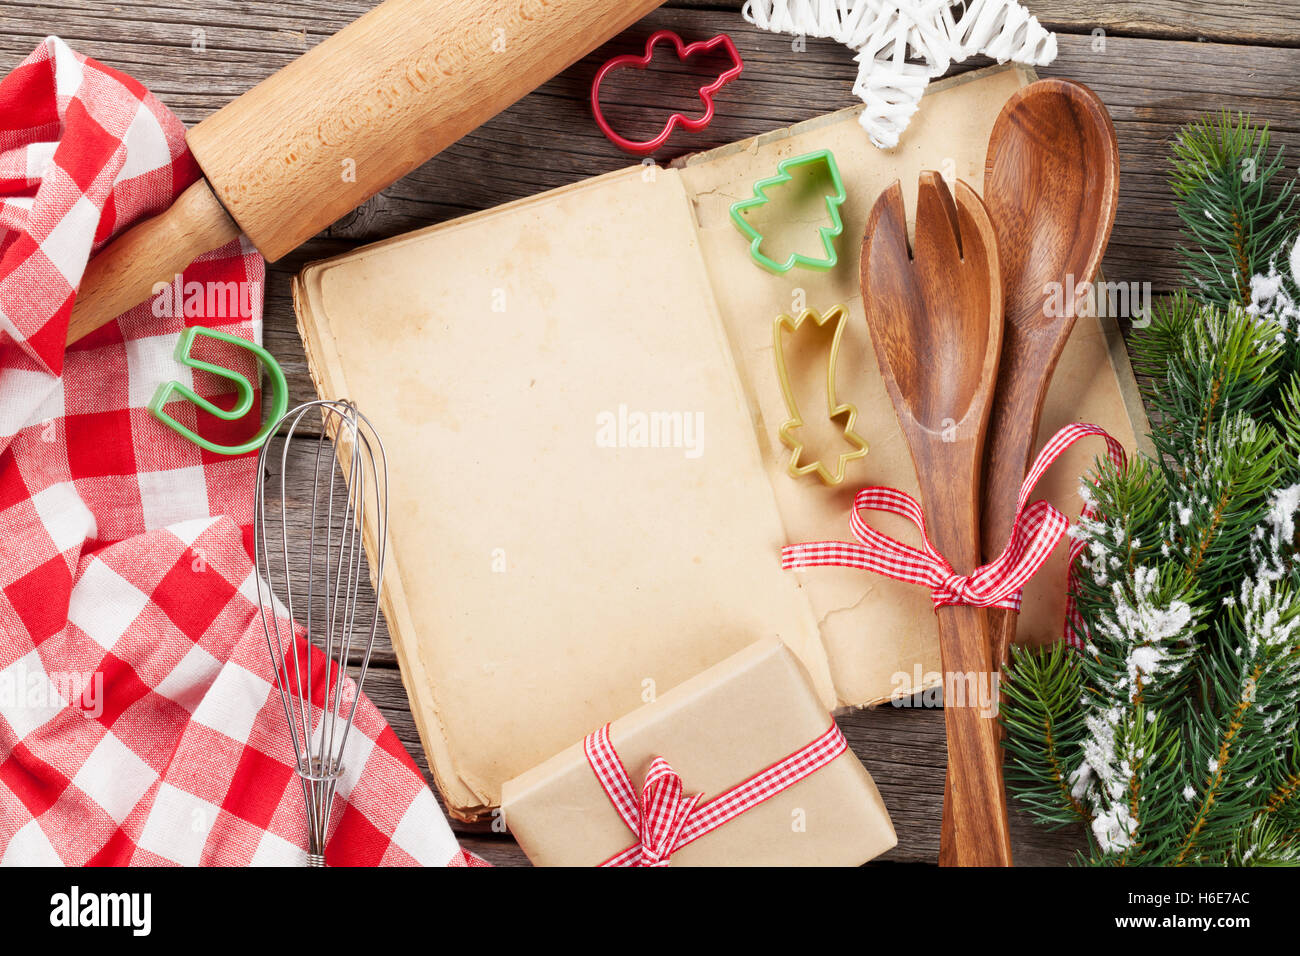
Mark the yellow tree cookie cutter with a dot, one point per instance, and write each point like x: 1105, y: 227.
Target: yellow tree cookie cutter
x: 838, y: 412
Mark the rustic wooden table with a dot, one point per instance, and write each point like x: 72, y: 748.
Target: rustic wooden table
x: 1157, y: 65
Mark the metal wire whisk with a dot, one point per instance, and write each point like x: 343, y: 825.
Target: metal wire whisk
x: 348, y: 478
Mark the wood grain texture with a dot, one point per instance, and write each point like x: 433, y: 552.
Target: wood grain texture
x: 1234, y: 21
x: 152, y: 251
x: 1052, y: 186
x: 902, y: 748
x: 935, y: 316
x: 379, y: 98
x: 1151, y: 88
x: 198, y: 56
x: 317, y: 138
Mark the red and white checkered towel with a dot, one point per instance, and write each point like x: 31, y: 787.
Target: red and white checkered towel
x: 138, y: 718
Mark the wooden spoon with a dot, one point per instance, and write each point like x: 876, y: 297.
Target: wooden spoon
x: 1051, y: 185
x: 935, y: 319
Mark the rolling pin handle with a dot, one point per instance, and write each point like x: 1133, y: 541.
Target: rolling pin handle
x: 126, y: 270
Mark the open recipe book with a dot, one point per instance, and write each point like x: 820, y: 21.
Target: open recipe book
x: 580, y: 401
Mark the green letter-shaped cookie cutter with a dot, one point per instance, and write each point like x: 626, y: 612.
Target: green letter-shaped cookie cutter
x: 279, y: 392
x: 827, y: 233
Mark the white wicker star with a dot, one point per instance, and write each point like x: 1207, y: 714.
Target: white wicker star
x: 902, y: 44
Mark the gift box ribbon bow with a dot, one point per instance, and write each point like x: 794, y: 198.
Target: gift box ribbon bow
x: 1035, y: 532
x: 665, y: 818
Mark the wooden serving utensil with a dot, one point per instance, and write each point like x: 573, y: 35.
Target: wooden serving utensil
x: 1051, y: 185
x: 935, y: 318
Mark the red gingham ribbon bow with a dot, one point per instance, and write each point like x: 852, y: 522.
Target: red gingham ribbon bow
x: 1035, y: 532
x: 665, y: 820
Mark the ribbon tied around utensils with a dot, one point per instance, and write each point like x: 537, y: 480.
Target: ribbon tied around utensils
x: 665, y: 818
x: 1035, y: 532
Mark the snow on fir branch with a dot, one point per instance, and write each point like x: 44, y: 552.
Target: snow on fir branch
x: 1273, y: 296
x: 1173, y: 737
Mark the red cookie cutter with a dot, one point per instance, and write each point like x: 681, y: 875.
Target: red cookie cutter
x: 684, y: 52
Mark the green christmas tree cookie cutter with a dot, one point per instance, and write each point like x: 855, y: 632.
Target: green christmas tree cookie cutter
x: 828, y: 233
x: 246, y: 392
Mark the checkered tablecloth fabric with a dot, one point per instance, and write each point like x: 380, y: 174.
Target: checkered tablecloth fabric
x: 138, y: 718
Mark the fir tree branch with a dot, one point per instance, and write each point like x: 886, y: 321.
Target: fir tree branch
x: 1135, y: 810
x: 1265, y: 843
x: 1288, y: 424
x: 1283, y: 799
x: 1235, y: 213
x: 1253, y: 698
x: 1163, y: 736
x: 1285, y: 795
x: 1222, y: 761
x: 1041, y: 710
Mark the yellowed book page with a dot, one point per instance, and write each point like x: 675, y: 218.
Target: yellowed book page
x: 879, y: 634
x: 579, y: 514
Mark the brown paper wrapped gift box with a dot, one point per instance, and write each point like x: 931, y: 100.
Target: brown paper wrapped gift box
x: 717, y: 729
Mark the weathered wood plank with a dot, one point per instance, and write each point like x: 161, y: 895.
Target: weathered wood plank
x: 1151, y: 88
x: 197, y: 57
x: 1231, y: 21
x: 548, y: 139
x: 258, y: 36
x: 299, y: 477
x: 497, y: 850
x: 902, y: 749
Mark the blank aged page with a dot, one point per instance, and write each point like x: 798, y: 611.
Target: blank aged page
x: 579, y: 514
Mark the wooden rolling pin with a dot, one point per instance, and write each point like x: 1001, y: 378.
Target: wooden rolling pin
x: 340, y: 123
